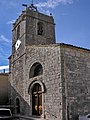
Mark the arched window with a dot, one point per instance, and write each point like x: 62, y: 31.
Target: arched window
x: 36, y: 70
x: 40, y: 28
x: 37, y: 100
x: 17, y: 105
x: 18, y: 32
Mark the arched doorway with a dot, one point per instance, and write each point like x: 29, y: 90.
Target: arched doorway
x: 37, y: 99
x: 36, y: 91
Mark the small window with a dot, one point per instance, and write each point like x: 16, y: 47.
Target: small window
x: 40, y: 29
x: 18, y: 32
x: 36, y: 70
x: 17, y: 105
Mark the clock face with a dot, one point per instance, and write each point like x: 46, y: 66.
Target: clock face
x: 17, y: 45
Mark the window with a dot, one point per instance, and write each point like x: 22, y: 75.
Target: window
x: 36, y: 70
x: 18, y: 32
x: 40, y: 29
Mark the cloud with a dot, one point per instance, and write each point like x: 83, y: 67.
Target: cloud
x: 11, y: 22
x: 5, y: 49
x: 4, y: 39
x: 4, y: 67
x: 45, y: 11
x: 53, y: 3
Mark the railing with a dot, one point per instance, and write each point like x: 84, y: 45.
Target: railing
x: 22, y: 117
x: 51, y: 113
x: 19, y: 117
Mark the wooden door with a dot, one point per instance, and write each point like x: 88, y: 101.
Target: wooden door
x: 37, y: 100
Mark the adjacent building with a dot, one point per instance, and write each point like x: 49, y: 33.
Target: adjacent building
x: 3, y: 88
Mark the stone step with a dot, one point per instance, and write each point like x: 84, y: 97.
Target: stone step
x: 24, y: 117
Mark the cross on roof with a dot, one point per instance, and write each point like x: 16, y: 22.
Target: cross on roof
x: 32, y: 6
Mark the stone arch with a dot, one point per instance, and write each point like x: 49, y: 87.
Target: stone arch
x: 40, y: 28
x: 36, y: 91
x: 36, y: 70
x: 32, y: 85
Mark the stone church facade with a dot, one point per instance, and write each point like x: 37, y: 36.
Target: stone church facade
x: 47, y: 79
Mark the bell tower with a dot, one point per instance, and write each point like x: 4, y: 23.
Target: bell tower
x: 27, y: 62
x: 32, y: 28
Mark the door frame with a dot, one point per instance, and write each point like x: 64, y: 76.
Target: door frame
x: 30, y: 88
x: 37, y: 100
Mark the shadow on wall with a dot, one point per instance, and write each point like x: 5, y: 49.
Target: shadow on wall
x: 20, y: 106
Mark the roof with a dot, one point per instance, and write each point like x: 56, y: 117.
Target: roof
x: 69, y: 45
x: 60, y: 44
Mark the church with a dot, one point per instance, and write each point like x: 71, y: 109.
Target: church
x: 48, y: 80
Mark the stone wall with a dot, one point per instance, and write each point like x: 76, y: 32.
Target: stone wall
x: 49, y: 58
x: 76, y: 81
x: 66, y: 74
x: 32, y: 20
x: 3, y: 88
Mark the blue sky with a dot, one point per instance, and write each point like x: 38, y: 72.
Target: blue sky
x: 72, y: 18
